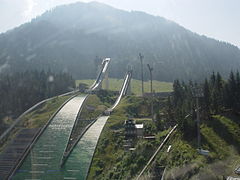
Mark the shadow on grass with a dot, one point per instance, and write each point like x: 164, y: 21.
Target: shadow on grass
x: 223, y: 131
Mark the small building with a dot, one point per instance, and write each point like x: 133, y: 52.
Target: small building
x: 139, y: 130
x: 150, y: 138
x: 132, y: 129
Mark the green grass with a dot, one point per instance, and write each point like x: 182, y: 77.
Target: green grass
x: 41, y: 115
x: 216, y: 145
x: 220, y: 136
x: 111, y: 161
x: 107, y: 147
x: 231, y: 127
x: 115, y: 85
x: 93, y: 102
x: 183, y: 161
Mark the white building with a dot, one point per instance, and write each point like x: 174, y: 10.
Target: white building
x: 139, y: 130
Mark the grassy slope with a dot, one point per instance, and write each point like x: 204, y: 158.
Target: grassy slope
x: 94, y: 102
x: 220, y: 136
x: 41, y: 115
x: 110, y: 160
x: 115, y: 84
x: 107, y: 147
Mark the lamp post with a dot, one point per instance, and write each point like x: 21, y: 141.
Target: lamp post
x: 151, y: 88
x: 141, y: 60
x: 197, y: 93
x: 150, y: 71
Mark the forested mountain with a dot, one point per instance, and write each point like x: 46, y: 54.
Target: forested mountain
x: 68, y: 38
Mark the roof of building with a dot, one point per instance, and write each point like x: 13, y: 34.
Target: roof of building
x: 129, y: 121
x: 139, y: 126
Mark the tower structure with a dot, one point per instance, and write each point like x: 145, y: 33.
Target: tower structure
x: 141, y: 60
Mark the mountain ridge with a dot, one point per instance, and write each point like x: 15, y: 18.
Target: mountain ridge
x: 69, y: 37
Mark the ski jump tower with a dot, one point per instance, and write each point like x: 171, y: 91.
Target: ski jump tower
x: 101, y: 74
x: 130, y: 70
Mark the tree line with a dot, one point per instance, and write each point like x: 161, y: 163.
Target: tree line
x: 216, y: 96
x: 19, y: 91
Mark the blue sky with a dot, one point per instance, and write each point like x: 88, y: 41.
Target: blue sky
x: 219, y: 19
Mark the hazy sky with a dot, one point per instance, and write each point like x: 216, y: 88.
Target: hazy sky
x: 219, y: 19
